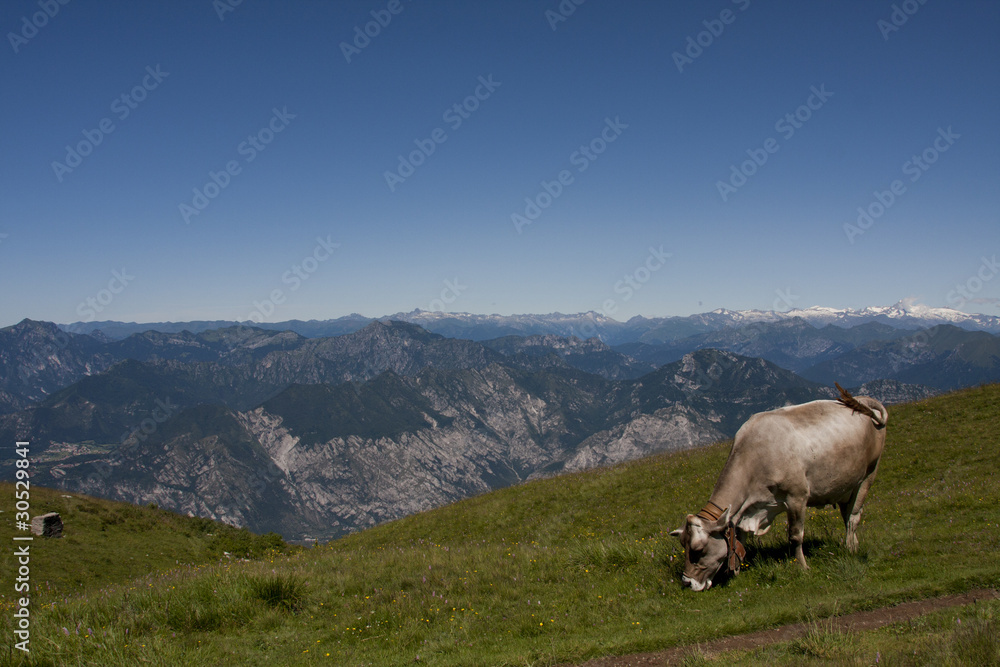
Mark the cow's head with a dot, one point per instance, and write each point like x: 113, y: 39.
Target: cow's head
x: 706, y: 547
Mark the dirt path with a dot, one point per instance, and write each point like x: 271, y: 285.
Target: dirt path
x: 856, y: 622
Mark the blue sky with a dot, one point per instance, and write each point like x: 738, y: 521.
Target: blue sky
x: 198, y: 160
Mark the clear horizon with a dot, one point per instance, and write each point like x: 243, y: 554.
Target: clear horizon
x: 911, y: 307
x: 309, y: 160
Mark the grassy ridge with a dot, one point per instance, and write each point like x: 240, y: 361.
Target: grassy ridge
x: 107, y: 542
x: 557, y: 570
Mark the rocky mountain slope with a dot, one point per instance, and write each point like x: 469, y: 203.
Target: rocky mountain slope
x: 944, y: 357
x: 318, y: 436
x: 38, y: 358
x: 322, y: 459
x: 591, y: 355
x: 791, y: 343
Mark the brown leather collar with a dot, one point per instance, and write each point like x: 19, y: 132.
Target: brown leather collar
x: 736, y: 551
x: 709, y: 514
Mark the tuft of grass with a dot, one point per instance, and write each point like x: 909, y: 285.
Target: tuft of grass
x: 851, y: 570
x: 820, y: 641
x: 695, y: 659
x: 607, y: 555
x: 241, y: 543
x: 279, y: 591
x: 977, y: 643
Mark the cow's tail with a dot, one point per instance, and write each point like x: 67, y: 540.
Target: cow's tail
x: 880, y: 416
x: 870, y: 407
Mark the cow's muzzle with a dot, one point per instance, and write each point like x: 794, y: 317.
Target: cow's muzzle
x: 694, y: 584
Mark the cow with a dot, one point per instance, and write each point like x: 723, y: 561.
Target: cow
x: 810, y: 455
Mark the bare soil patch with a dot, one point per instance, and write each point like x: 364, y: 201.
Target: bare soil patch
x: 856, y: 622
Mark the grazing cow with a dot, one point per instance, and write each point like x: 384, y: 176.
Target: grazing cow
x: 810, y: 455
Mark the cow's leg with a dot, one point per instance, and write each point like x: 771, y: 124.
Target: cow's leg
x: 851, y: 510
x: 846, y: 511
x: 796, y: 527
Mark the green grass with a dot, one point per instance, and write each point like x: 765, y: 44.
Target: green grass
x: 559, y: 570
x: 967, y: 636
x: 106, y: 542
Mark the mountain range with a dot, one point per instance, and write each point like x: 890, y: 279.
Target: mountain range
x: 321, y: 459
x: 903, y: 315
x: 316, y: 436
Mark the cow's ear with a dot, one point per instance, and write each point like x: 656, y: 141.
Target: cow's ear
x: 679, y: 533
x: 720, y: 525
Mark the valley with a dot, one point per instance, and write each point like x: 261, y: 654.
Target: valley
x: 316, y: 437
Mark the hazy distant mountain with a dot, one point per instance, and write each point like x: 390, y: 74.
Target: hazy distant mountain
x: 457, y: 325
x: 792, y: 343
x: 944, y: 357
x: 591, y: 356
x: 904, y: 315
x: 657, y: 330
x: 893, y: 392
x: 310, y: 329
x: 38, y: 358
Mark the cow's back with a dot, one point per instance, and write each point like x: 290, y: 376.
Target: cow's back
x: 821, y: 448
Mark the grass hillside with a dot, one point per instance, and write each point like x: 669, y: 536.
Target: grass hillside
x: 108, y: 542
x: 559, y: 570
